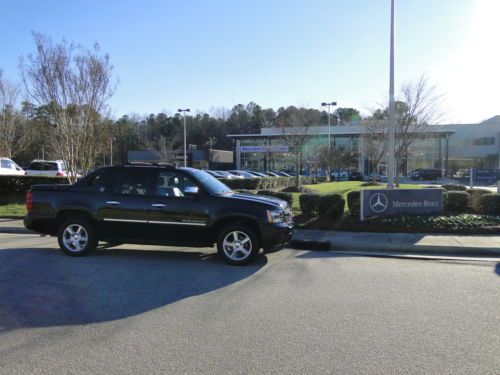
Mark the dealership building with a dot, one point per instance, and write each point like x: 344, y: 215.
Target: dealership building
x: 449, y: 147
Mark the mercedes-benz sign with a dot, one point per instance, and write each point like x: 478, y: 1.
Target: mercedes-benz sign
x: 401, y: 201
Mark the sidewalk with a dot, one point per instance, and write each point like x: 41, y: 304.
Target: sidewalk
x: 13, y: 226
x: 403, y: 243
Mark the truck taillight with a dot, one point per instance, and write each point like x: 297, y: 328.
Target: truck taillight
x: 29, y: 201
x: 59, y: 174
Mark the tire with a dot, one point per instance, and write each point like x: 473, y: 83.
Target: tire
x: 84, y: 244
x: 248, y: 245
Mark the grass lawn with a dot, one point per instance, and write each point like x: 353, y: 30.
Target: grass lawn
x: 13, y: 210
x: 344, y: 187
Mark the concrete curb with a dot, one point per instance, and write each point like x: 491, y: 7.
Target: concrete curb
x: 420, y: 256
x: 417, y: 249
x: 386, y: 247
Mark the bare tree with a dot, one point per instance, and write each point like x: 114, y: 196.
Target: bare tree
x: 14, y: 134
x: 294, y: 124
x: 374, y: 140
x: 75, y: 85
x: 420, y: 108
x: 335, y: 158
x: 417, y: 108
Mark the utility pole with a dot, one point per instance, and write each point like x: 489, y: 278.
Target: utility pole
x: 392, y: 120
x: 329, y: 105
x: 183, y: 111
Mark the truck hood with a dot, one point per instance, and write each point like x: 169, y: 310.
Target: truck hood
x: 273, y: 202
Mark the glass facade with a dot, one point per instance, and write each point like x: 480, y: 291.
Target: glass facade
x: 273, y: 154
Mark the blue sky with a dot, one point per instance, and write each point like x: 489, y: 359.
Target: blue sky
x: 217, y: 53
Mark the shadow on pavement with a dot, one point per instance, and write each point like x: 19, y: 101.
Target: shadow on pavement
x: 43, y: 287
x: 497, y: 269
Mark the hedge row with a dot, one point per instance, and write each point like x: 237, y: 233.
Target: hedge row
x: 287, y: 197
x: 454, y: 187
x: 21, y: 184
x: 328, y: 206
x: 269, y: 183
x: 490, y: 204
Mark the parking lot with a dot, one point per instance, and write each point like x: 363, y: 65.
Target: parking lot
x: 137, y: 309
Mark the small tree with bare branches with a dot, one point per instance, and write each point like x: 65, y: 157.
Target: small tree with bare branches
x: 75, y: 85
x: 14, y: 134
x: 294, y: 124
x: 417, y: 108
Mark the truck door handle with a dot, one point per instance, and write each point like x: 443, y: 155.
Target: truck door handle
x: 113, y: 203
x: 158, y: 205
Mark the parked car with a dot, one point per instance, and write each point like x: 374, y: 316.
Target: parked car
x: 339, y: 175
x: 257, y: 174
x: 283, y: 174
x: 373, y: 177
x: 271, y: 174
x: 158, y: 204
x: 426, y: 174
x: 215, y: 174
x: 355, y: 176
x: 243, y: 174
x: 10, y: 168
x: 51, y: 168
x: 228, y: 175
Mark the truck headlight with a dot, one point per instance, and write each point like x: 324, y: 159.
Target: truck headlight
x: 276, y: 216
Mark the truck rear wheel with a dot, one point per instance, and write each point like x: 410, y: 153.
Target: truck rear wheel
x: 77, y: 237
x: 238, y: 245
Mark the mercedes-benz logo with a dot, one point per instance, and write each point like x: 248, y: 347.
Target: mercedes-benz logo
x: 378, y: 202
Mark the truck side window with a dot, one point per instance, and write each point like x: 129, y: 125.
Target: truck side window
x: 96, y: 182
x: 131, y: 182
x: 171, y: 184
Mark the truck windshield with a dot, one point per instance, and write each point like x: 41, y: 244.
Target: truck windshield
x: 210, y: 183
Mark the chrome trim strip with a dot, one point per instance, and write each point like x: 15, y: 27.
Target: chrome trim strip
x: 177, y: 223
x: 126, y: 220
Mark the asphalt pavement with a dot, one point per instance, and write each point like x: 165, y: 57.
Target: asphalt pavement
x: 147, y: 309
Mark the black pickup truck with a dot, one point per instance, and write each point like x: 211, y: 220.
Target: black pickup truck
x: 158, y: 204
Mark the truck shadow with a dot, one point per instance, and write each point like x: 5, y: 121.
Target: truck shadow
x: 43, y: 287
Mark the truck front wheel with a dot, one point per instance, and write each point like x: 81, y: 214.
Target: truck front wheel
x: 77, y: 237
x: 238, y: 245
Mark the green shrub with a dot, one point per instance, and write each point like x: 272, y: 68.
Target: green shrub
x: 371, y: 183
x: 12, y: 185
x: 475, y: 198
x: 490, y: 204
x: 454, y: 187
x: 259, y: 183
x: 331, y: 206
x: 353, y: 202
x: 287, y: 197
x: 244, y: 191
x: 268, y: 183
x: 309, y: 203
x: 456, y: 201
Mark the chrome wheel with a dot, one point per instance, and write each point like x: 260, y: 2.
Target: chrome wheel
x: 75, y: 238
x: 237, y: 245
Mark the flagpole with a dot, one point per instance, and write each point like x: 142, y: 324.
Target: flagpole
x: 392, y: 122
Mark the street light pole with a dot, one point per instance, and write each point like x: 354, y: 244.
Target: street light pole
x: 111, y: 155
x: 392, y: 124
x: 183, y: 111
x: 329, y: 104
